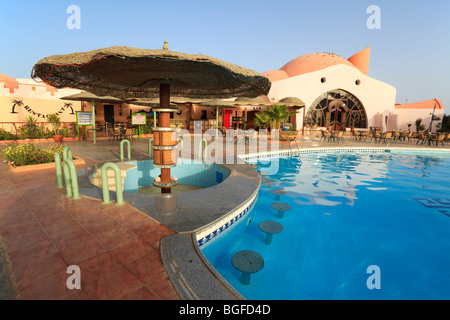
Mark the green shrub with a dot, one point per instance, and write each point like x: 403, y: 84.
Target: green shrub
x: 31, y: 153
x: 5, y: 135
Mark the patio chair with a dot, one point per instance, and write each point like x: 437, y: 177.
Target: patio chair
x: 447, y: 137
x: 113, y: 134
x: 365, y: 135
x: 387, y: 136
x: 422, y: 138
x: 325, y: 135
x: 129, y: 134
x: 355, y: 135
x: 376, y: 136
x: 340, y: 137
x: 407, y: 135
x: 437, y: 139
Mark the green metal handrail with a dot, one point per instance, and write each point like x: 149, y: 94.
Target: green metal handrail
x: 128, y: 147
x: 71, y: 179
x: 205, y: 150
x: 118, y: 183
x: 150, y: 150
x: 59, y: 174
x: 181, y: 146
x: 67, y: 153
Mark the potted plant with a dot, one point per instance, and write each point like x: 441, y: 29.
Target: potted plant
x: 54, y: 120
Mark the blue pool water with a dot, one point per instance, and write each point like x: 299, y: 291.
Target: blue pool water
x: 188, y: 172
x: 349, y: 212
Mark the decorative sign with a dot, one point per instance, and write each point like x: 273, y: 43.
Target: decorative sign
x: 138, y: 118
x: 19, y: 103
x: 84, y: 118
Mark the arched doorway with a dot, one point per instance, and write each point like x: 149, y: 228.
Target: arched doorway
x: 337, y: 109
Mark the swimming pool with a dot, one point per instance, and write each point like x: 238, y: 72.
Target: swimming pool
x: 349, y: 212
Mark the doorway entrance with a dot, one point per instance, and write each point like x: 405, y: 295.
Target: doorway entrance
x: 227, y: 118
x: 109, y: 114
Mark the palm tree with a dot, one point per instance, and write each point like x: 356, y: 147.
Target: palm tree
x: 262, y: 120
x: 18, y: 103
x: 279, y: 114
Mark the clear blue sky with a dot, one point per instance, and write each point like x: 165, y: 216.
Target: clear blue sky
x: 411, y: 50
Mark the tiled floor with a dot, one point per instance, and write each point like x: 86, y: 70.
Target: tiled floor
x: 116, y: 247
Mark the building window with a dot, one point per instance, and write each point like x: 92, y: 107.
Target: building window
x: 323, y: 80
x: 358, y: 82
x: 337, y: 109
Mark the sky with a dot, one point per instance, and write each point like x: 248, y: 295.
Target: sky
x: 410, y: 49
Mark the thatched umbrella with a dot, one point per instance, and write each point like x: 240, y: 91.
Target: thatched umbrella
x: 217, y: 103
x: 295, y: 103
x: 87, y: 96
x: 125, y: 73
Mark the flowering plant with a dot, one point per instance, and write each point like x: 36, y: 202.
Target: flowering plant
x: 30, y: 153
x: 5, y: 135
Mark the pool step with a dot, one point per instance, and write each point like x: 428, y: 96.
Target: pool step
x: 124, y: 167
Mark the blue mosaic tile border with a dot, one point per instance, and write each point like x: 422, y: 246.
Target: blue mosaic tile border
x: 225, y: 223
x: 313, y: 150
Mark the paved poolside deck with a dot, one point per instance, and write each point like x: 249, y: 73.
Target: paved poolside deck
x: 116, y: 247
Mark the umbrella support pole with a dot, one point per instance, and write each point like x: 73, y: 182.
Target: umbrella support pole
x: 162, y: 143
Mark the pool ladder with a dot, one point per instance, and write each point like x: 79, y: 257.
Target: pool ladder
x: 291, y: 151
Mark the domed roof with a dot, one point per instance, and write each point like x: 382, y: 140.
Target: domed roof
x: 313, y: 62
x: 318, y: 61
x: 9, y: 83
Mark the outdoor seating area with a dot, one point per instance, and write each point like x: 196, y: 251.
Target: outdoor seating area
x: 389, y: 137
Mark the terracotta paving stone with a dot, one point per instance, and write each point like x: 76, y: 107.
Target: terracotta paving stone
x: 95, y: 267
x: 88, y: 218
x: 20, y: 240
x: 132, y: 251
x: 70, y: 236
x: 116, y: 237
x: 143, y: 293
x: 113, y: 286
x: 31, y: 273
x: 48, y: 288
x: 143, y: 227
x: 80, y: 252
x: 100, y: 226
x: 76, y: 294
x: 131, y: 217
x: 145, y: 268
x: 29, y: 254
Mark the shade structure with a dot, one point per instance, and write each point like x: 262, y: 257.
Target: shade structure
x: 255, y: 101
x: 87, y: 96
x: 295, y: 103
x: 291, y: 101
x: 126, y: 73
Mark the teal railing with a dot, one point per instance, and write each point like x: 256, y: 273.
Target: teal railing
x: 118, y: 183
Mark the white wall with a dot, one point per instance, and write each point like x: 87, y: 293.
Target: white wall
x: 407, y: 116
x: 376, y: 96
